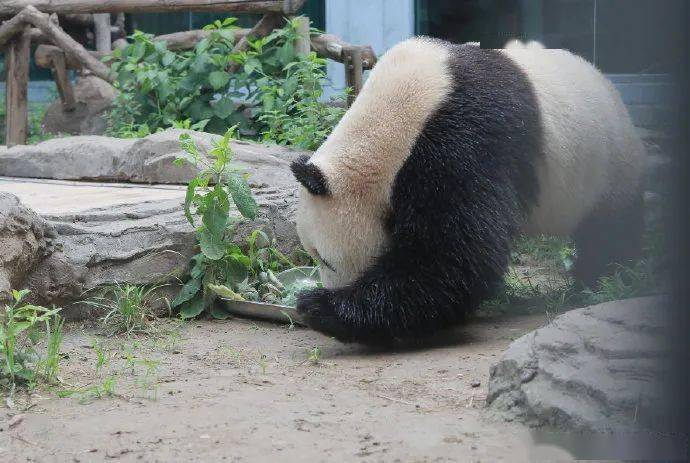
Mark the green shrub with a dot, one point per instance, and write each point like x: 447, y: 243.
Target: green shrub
x: 274, y: 93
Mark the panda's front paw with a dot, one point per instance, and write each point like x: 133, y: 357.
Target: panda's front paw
x: 317, y: 309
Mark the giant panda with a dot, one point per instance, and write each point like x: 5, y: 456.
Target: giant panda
x: 448, y: 153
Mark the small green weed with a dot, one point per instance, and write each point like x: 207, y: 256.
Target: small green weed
x: 129, y: 308
x: 263, y: 363
x: 86, y: 395
x: 314, y: 355
x: 625, y: 282
x: 21, y: 328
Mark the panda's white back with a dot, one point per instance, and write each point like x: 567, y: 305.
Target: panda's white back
x: 592, y: 153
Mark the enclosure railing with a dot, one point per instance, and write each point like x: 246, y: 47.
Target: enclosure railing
x: 36, y: 21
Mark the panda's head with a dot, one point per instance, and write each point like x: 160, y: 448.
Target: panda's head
x: 345, y: 211
x: 338, y: 226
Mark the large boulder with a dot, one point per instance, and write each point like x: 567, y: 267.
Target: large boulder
x: 145, y: 160
x: 25, y: 240
x: 94, y: 98
x: 591, y: 369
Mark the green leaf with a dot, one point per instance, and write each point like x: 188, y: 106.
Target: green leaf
x: 225, y: 292
x: 212, y: 246
x: 19, y: 295
x: 215, y: 217
x: 242, y: 196
x: 237, y: 269
x: 199, y: 266
x: 139, y: 50
x: 218, y: 79
x: 168, y: 59
x: 189, y: 196
x: 200, y: 110
x: 187, y: 292
x: 192, y: 308
x: 223, y: 107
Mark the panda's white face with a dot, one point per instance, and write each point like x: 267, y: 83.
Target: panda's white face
x: 343, y: 236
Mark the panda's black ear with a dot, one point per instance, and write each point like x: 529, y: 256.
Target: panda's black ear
x: 310, y: 176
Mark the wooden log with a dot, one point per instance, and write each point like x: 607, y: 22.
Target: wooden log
x: 101, y: 23
x: 45, y: 55
x: 72, y: 48
x: 302, y: 44
x: 12, y: 27
x: 264, y: 27
x: 331, y: 46
x: 286, y: 7
x: 64, y: 86
x: 325, y: 45
x: 186, y: 40
x: 354, y: 71
x: 18, y: 56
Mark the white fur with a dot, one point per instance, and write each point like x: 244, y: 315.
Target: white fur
x: 593, y: 155
x: 364, y: 153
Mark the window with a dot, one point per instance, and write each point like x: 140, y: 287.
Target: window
x: 619, y: 36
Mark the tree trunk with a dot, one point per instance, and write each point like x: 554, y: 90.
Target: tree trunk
x: 18, y: 55
x: 102, y: 28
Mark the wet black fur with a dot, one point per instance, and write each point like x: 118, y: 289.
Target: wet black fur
x: 310, y: 176
x: 457, y: 204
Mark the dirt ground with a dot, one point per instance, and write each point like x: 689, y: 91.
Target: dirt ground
x: 239, y: 390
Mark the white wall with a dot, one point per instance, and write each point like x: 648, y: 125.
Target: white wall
x: 379, y: 23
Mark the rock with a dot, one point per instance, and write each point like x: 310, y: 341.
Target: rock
x: 591, y: 369
x: 25, y: 240
x: 71, y: 158
x: 94, y: 98
x: 146, y: 160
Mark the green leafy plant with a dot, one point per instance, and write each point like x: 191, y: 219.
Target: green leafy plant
x: 21, y: 328
x: 210, y: 195
x: 274, y: 92
x: 292, y: 111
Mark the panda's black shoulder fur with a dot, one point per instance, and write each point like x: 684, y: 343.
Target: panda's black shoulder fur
x: 457, y: 203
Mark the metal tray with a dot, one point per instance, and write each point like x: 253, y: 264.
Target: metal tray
x: 274, y: 312
x: 263, y: 311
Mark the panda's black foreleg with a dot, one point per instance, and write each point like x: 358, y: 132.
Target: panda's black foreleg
x: 410, y: 293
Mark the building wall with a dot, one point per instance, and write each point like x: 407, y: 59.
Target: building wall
x: 379, y: 23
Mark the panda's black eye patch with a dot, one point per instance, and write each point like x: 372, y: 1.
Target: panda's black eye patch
x: 310, y: 176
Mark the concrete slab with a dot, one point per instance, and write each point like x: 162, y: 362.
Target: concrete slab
x: 51, y: 197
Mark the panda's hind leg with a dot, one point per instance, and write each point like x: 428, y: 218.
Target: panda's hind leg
x: 608, y: 236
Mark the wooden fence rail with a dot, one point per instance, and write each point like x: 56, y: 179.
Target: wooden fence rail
x: 287, y: 7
